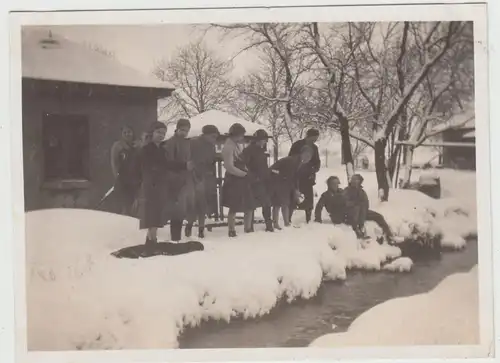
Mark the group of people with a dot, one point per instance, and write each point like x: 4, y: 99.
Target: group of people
x: 174, y: 181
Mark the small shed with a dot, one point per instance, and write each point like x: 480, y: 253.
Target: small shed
x: 74, y: 102
x: 223, y: 121
x: 459, y: 157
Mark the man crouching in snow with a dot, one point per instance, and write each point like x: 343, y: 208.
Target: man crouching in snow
x: 350, y: 206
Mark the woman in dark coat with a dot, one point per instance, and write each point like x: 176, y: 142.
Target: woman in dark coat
x: 154, y: 172
x: 285, y: 183
x: 307, y: 177
x: 236, y: 192
x: 255, y: 158
x: 203, y: 155
x: 124, y: 165
x: 180, y: 182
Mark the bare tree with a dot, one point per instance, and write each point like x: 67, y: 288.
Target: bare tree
x: 445, y: 98
x: 373, y: 72
x: 201, y: 79
x: 260, y: 93
x: 333, y: 101
x: 279, y: 42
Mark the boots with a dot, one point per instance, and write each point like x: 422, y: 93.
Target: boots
x: 188, y: 231
x: 175, y: 230
x: 232, y: 234
x: 269, y: 226
x: 201, y: 232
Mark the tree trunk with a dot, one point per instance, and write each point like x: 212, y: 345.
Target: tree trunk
x: 381, y: 170
x: 408, y: 167
x: 395, y: 181
x: 347, y: 158
x: 275, y: 149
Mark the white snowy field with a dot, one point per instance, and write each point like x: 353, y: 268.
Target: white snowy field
x: 80, y: 297
x: 447, y: 315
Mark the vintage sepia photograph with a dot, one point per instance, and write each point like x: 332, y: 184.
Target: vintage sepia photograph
x: 221, y: 183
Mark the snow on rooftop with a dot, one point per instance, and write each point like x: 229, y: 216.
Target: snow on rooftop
x: 47, y: 56
x: 463, y: 120
x: 470, y: 134
x: 222, y: 120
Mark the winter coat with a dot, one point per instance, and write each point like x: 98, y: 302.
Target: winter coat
x: 284, y: 180
x: 236, y: 189
x: 180, y: 182
x: 203, y: 155
x: 154, y: 192
x: 255, y: 158
x: 335, y: 205
x: 126, y: 168
x: 309, y: 170
x: 357, y: 204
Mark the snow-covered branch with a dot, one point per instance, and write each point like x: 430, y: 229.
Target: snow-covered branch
x: 436, y: 132
x: 394, y: 115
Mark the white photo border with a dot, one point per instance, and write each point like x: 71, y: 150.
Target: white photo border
x: 473, y: 12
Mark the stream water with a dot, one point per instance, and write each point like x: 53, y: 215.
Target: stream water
x: 334, y: 308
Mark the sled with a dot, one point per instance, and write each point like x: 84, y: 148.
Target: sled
x: 159, y: 249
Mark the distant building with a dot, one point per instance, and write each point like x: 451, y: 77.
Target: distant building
x: 74, y: 102
x: 458, y: 157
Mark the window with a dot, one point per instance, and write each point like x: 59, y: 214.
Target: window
x: 66, y: 147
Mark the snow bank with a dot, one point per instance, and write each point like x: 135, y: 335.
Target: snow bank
x: 80, y: 297
x: 402, y: 264
x: 447, y: 315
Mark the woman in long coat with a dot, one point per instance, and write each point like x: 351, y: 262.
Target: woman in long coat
x: 180, y: 182
x: 285, y: 175
x: 154, y: 179
x: 255, y: 158
x: 204, y: 157
x: 307, y: 177
x: 236, y: 192
x: 124, y: 160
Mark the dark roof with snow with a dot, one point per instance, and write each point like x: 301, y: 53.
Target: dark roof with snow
x: 47, y: 56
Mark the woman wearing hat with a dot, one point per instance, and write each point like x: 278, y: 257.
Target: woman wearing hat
x: 236, y: 192
x: 203, y: 155
x: 256, y: 161
x: 307, y: 178
x: 180, y: 182
x: 154, y: 179
x: 285, y: 183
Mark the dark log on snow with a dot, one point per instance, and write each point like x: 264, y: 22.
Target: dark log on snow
x: 159, y: 249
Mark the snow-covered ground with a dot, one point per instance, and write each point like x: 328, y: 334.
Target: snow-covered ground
x: 80, y: 297
x: 447, y: 315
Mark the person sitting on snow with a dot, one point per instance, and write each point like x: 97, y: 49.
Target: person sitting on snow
x: 358, y: 212
x: 350, y: 206
x: 334, y: 202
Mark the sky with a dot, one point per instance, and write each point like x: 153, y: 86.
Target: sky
x: 142, y: 46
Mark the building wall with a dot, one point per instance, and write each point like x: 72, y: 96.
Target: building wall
x: 106, y: 117
x: 458, y: 157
